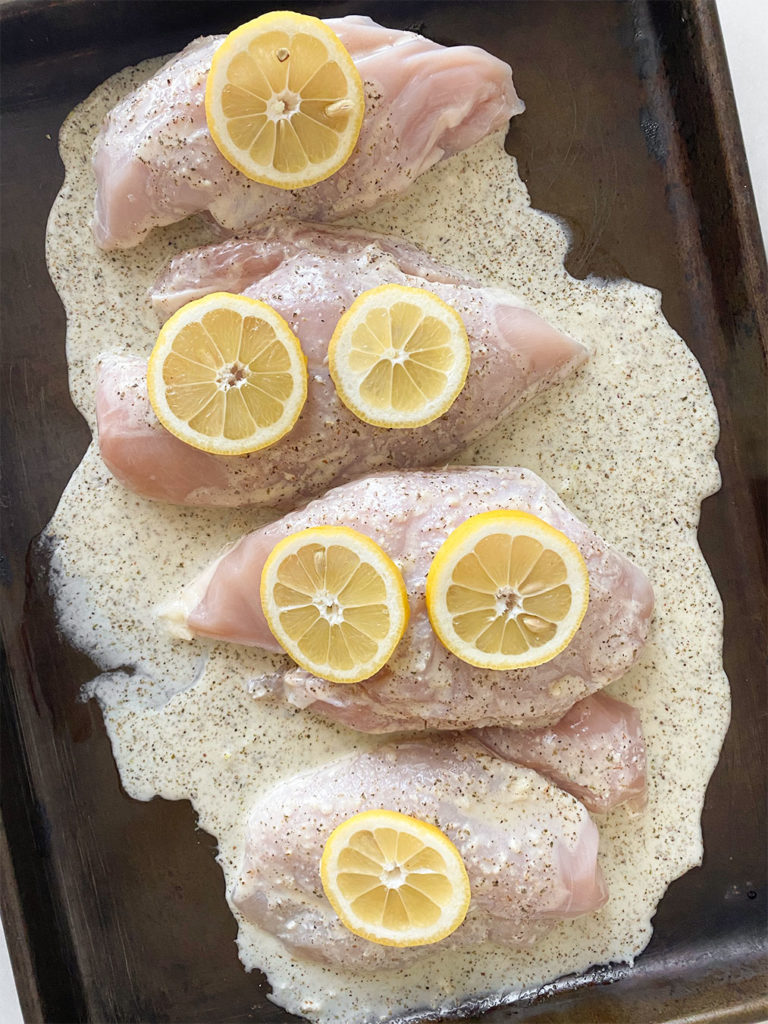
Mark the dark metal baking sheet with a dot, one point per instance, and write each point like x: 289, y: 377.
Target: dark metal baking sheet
x: 115, y: 909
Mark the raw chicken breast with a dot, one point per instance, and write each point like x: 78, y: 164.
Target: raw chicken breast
x: 155, y: 161
x: 596, y: 752
x: 311, y: 276
x: 530, y: 850
x: 424, y: 686
x: 238, y: 264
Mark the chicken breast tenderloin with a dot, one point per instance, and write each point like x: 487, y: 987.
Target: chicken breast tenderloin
x: 596, y: 752
x: 311, y: 276
x: 156, y: 163
x: 530, y: 850
x: 424, y: 686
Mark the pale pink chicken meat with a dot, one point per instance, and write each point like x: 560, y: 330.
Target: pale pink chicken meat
x: 240, y: 263
x: 595, y: 752
x: 424, y: 686
x: 530, y: 850
x: 156, y: 163
x: 311, y: 275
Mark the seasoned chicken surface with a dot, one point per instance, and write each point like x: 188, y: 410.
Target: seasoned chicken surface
x: 424, y: 686
x: 156, y: 163
x: 311, y: 275
x: 237, y: 264
x: 596, y: 752
x: 530, y: 850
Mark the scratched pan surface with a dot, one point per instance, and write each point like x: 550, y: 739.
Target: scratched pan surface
x: 115, y: 909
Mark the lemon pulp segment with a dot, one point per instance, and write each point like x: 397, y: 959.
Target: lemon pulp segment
x: 284, y: 101
x: 394, y: 879
x: 399, y: 356
x: 507, y: 590
x: 335, y: 602
x: 227, y: 375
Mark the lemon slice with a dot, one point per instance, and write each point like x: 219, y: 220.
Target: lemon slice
x: 399, y: 356
x: 335, y: 602
x: 227, y: 375
x: 284, y: 101
x: 507, y: 590
x: 394, y: 880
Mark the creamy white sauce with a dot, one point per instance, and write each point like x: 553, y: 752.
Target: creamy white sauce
x: 627, y: 442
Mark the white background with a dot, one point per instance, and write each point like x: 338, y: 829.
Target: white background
x: 745, y: 29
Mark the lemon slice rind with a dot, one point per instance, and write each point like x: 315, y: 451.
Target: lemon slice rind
x: 286, y: 114
x: 363, y: 611
x: 435, y: 892
x: 424, y: 381
x: 175, y: 338
x: 448, y: 596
